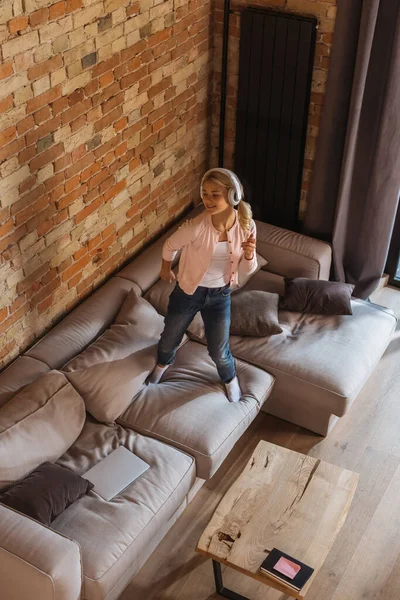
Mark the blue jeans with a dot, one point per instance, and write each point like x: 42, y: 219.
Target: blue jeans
x: 214, y: 305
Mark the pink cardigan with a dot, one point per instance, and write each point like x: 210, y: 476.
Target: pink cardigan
x: 198, y: 237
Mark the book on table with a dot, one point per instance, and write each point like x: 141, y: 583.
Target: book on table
x: 286, y: 569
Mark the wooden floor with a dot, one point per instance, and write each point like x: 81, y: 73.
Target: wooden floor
x: 364, y: 563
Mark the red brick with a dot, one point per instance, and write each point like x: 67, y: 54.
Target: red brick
x: 57, y: 193
x: 88, y: 210
x: 70, y: 198
x: 54, y: 181
x: 25, y: 125
x: 58, y: 10
x: 7, y: 135
x: 27, y: 185
x: 44, y: 292
x: 78, y: 166
x: 73, y: 113
x: 11, y: 149
x: 6, y: 228
x: 134, y: 129
x: 13, y: 238
x: 112, y: 90
x: 78, y: 153
x: 73, y: 5
x: 78, y: 123
x: 108, y: 119
x: 121, y: 149
x: 6, y: 104
x: 46, y: 157
x: 90, y: 171
x: 45, y: 67
x: 132, y: 78
x: 108, y: 158
x: 121, y: 124
x: 91, y: 88
x: 33, y: 136
x: 101, y: 150
x: 106, y: 79
x: 133, y: 51
x: 18, y: 24
x: 27, y: 200
x: 116, y: 189
x: 62, y: 163
x: 106, y: 184
x: 39, y: 17
x: 6, y: 70
x: 133, y: 9
x: 43, y: 306
x: 106, y: 65
x: 76, y: 97
x: 59, y: 105
x: 34, y: 103
x: 97, y: 179
x: 113, y: 103
x: 159, y: 37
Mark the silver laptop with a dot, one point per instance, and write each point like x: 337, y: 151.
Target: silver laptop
x: 115, y: 472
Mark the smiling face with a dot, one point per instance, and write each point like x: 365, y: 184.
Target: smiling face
x: 215, y: 197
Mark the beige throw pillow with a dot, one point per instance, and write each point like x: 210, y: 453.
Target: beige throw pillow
x: 37, y: 425
x: 113, y: 369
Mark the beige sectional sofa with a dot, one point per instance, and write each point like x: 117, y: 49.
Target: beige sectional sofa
x: 309, y: 374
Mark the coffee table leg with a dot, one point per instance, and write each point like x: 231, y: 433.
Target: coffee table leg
x: 221, y: 590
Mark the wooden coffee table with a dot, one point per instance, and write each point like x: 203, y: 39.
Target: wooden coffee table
x: 282, y: 499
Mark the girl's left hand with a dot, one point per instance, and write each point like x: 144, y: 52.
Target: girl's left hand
x: 249, y: 247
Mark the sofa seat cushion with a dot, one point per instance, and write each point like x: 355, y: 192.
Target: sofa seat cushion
x: 189, y: 408
x: 113, y: 534
x: 111, y: 371
x: 321, y: 358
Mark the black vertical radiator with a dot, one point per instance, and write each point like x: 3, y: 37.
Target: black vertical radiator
x: 275, y: 70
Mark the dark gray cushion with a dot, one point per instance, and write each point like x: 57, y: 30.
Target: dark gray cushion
x: 46, y: 492
x: 317, y: 296
x: 254, y: 313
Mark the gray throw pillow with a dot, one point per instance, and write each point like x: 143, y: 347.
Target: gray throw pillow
x: 317, y: 296
x: 254, y: 313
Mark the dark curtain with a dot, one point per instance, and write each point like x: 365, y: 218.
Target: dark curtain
x: 356, y: 182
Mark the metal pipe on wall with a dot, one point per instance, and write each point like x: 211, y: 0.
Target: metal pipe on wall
x: 224, y: 78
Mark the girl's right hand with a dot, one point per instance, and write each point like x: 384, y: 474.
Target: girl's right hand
x: 167, y: 275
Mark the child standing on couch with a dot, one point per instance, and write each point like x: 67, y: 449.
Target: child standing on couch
x: 218, y: 247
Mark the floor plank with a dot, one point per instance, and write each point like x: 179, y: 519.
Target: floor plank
x: 364, y: 562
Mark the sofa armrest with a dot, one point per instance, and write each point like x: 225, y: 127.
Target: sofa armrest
x: 35, y: 561
x: 292, y: 254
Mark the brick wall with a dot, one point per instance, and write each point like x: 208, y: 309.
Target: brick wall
x: 325, y: 12
x: 103, y: 137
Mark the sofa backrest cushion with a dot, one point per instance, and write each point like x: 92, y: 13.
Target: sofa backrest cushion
x: 37, y: 425
x: 83, y: 325
x: 114, y: 368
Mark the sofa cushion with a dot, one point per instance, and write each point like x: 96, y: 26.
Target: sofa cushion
x: 182, y: 408
x: 254, y: 313
x: 83, y: 325
x: 112, y: 535
x: 22, y: 371
x: 267, y: 282
x: 114, y: 368
x: 317, y: 297
x: 320, y: 360
x: 38, y: 425
x: 46, y: 492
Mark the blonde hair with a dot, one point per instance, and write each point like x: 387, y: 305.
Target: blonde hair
x: 245, y: 214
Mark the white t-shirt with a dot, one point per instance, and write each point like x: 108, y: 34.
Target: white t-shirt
x: 219, y: 271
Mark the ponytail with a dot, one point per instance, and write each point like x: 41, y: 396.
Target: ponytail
x: 245, y: 215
